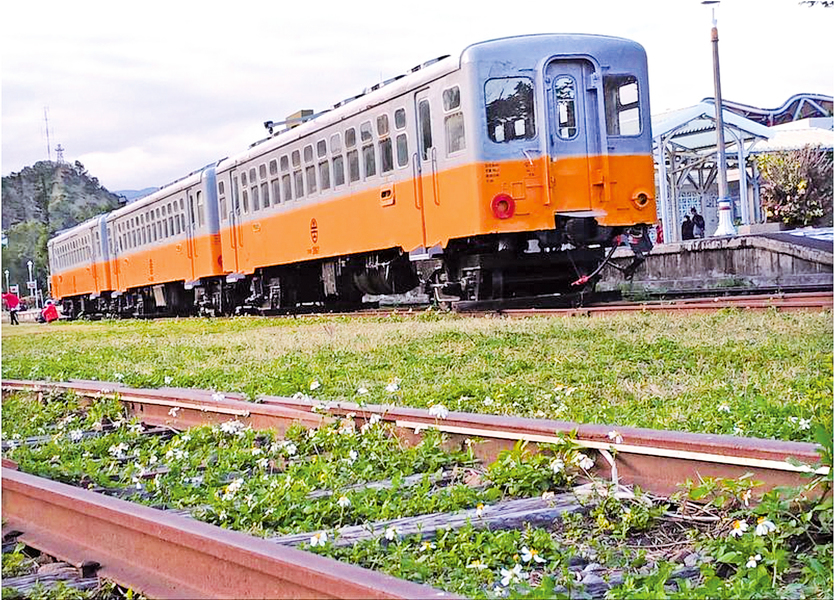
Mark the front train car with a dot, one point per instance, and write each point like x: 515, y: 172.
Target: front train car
x: 562, y: 161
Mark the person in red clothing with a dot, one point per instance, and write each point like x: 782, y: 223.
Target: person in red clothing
x: 49, y: 312
x: 12, y: 303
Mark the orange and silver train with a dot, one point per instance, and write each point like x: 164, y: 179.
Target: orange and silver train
x: 510, y: 169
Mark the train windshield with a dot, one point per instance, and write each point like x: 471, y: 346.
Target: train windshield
x: 509, y: 109
x: 622, y: 105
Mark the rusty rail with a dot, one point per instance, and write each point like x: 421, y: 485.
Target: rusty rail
x: 168, y: 556
x: 656, y: 460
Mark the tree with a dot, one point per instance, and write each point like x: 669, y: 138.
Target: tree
x: 796, y: 187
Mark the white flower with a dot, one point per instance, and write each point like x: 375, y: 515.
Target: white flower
x: 232, y: 427
x: 805, y: 423
x: 136, y: 428
x: 427, y: 545
x: 218, y: 397
x: 176, y: 454
x: 343, y: 501
x: 488, y: 401
x: 753, y: 561
x: 318, y: 539
x: 479, y: 510
x: 439, y: 411
x: 724, y: 408
x: 262, y: 463
x: 118, y: 451
x: 314, y: 385
x: 222, y: 514
x: 352, y: 456
x: 173, y: 412
x: 739, y: 527
x: 118, y: 376
x: 257, y: 451
x: 392, y: 387
x: 527, y: 555
x: 557, y: 465
x: 76, y: 435
x: 583, y: 461
x: 476, y: 564
x: 548, y: 495
x: 509, y: 576
x: 55, y: 458
x: 362, y: 391
x: 615, y: 436
x: 738, y: 430
x: 168, y: 379
x: 745, y: 497
x: 392, y: 532
x: 763, y: 526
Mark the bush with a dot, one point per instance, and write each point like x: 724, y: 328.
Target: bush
x: 796, y: 186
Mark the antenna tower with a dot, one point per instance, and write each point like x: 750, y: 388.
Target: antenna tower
x: 46, y: 121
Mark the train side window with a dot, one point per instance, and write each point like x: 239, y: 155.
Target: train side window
x: 368, y: 152
x: 243, y: 179
x: 424, y: 120
x: 336, y: 143
x: 338, y: 170
x: 451, y: 99
x: 285, y: 164
x: 177, y: 223
x: 350, y: 138
x: 256, y: 198
x: 273, y: 167
x: 402, y: 150
x: 287, y: 185
x: 510, y: 112
x: 299, y: 183
x: 353, y: 165
x: 399, y: 118
x: 296, y: 158
x: 276, y: 191
x: 565, y: 90
x: 321, y: 149
x: 221, y: 193
x: 311, y: 179
x: 386, y: 150
x: 453, y: 123
x: 622, y: 104
x: 308, y: 154
x: 262, y: 172
x: 265, y: 194
x: 324, y: 175
x: 252, y: 176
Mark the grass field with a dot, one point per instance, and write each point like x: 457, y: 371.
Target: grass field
x: 764, y: 374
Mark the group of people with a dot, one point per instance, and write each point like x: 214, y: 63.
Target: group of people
x: 694, y: 227
x: 13, y: 305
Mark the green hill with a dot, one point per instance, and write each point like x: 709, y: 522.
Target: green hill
x: 39, y: 201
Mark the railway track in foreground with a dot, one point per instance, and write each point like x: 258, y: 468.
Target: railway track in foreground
x: 170, y: 555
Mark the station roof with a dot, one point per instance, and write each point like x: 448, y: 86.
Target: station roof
x: 693, y: 127
x: 796, y: 135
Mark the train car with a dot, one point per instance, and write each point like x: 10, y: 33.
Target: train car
x: 512, y: 165
x: 79, y: 267
x: 166, y: 250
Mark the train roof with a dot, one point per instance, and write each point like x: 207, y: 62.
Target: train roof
x: 161, y: 193
x: 65, y: 234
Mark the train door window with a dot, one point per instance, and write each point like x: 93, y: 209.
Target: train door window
x: 453, y: 121
x: 402, y: 150
x: 565, y: 90
x: 424, y: 120
x: 170, y: 220
x: 622, y: 105
x: 265, y: 194
x: 235, y: 208
x: 311, y: 178
x: 321, y: 148
x: 273, y: 167
x: 510, y: 112
x: 192, y: 210
x: 324, y: 175
x: 386, y: 150
x: 244, y: 197
x: 399, y: 118
x: 368, y: 152
x: 96, y: 243
x: 221, y: 192
x: 201, y: 210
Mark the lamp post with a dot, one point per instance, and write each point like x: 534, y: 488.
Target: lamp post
x: 8, y: 288
x: 725, y: 209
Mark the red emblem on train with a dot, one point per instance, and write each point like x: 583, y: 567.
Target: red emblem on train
x: 314, y: 231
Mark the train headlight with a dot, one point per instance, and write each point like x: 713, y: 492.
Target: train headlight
x: 640, y: 199
x: 503, y: 206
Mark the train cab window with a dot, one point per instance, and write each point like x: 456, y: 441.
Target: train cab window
x: 402, y: 150
x: 308, y: 154
x: 273, y: 167
x: 321, y: 149
x: 399, y: 118
x: 510, y: 111
x: 221, y: 192
x: 368, y: 152
x: 565, y: 90
x: 453, y: 122
x: 424, y: 121
x: 622, y: 104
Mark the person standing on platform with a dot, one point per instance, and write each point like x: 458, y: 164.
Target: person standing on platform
x: 687, y: 228
x: 698, y: 225
x: 13, y: 305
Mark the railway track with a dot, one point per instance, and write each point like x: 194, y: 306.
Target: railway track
x: 168, y: 555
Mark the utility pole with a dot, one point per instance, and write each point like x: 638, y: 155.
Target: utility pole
x: 46, y: 122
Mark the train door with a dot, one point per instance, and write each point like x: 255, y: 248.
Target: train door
x: 191, y: 231
x: 424, y: 161
x: 574, y: 134
x: 231, y: 242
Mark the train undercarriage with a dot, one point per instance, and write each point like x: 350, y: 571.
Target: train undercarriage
x: 563, y: 260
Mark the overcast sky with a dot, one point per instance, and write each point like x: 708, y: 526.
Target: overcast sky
x: 145, y: 92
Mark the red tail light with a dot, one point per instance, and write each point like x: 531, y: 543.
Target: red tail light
x: 503, y: 206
